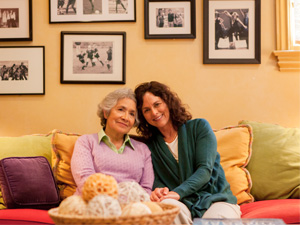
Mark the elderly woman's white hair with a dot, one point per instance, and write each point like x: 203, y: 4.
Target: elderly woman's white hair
x: 111, y: 100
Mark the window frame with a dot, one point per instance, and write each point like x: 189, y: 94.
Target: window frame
x: 288, y: 57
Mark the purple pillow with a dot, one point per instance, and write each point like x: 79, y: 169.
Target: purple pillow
x: 28, y: 182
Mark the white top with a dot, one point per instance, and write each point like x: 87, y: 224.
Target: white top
x: 173, y: 146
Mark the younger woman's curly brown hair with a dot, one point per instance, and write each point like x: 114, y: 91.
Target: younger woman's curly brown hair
x: 178, y: 113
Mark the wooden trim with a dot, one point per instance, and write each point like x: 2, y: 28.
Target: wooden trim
x: 288, y: 60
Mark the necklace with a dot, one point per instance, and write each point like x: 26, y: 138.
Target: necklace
x: 171, y: 139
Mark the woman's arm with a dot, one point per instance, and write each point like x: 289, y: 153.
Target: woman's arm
x: 82, y: 164
x: 205, y: 155
x: 148, y: 175
x: 227, y: 13
x: 241, y: 23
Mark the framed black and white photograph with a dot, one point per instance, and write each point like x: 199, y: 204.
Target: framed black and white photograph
x: 79, y: 11
x: 22, y: 70
x: 231, y: 32
x: 15, y: 20
x: 93, y: 57
x: 169, y: 19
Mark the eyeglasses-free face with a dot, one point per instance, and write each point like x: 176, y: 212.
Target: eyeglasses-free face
x: 121, y: 117
x: 156, y: 111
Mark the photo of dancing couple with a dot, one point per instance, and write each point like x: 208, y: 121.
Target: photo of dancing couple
x: 232, y: 31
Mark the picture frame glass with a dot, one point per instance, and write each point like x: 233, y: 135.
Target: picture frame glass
x: 232, y: 43
x: 15, y: 20
x: 231, y: 32
x: 22, y: 70
x: 93, y: 58
x: 166, y: 18
x: 91, y: 10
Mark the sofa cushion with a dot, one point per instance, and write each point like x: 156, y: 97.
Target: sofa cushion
x: 28, y: 145
x: 234, y: 146
x: 62, y: 147
x: 28, y: 182
x: 25, y: 216
x: 275, y: 161
x: 286, y: 209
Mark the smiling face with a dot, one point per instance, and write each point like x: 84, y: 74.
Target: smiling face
x: 156, y: 111
x: 121, y: 118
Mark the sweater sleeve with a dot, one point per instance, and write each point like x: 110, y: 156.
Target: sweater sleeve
x: 205, y: 154
x: 82, y: 164
x: 148, y: 175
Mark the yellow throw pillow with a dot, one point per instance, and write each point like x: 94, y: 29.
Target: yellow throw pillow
x: 62, y: 147
x: 275, y: 161
x: 234, y: 146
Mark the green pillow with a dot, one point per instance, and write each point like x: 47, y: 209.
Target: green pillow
x: 29, y: 145
x: 275, y: 162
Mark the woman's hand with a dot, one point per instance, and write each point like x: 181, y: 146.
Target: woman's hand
x: 171, y: 194
x: 160, y: 194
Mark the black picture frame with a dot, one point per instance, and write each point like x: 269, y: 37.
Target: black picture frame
x: 237, y: 44
x: 83, y: 11
x: 169, y: 19
x: 93, y: 57
x: 22, y: 70
x: 16, y: 20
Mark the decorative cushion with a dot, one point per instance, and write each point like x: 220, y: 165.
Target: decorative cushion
x: 286, y: 209
x: 275, y: 161
x: 62, y: 148
x: 28, y: 182
x: 234, y: 146
x: 28, y: 145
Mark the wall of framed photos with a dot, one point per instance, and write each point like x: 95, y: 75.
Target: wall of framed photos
x: 221, y: 93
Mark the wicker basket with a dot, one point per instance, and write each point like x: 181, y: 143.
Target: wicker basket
x: 165, y: 217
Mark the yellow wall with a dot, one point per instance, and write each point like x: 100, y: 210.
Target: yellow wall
x: 223, y: 94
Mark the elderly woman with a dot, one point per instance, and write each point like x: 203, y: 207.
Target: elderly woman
x: 112, y: 151
x: 186, y: 163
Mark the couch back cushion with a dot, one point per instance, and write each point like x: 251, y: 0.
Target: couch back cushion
x: 62, y: 149
x: 28, y: 145
x: 234, y: 146
x: 275, y: 161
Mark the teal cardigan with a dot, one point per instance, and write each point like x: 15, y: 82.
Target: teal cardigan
x: 198, y: 176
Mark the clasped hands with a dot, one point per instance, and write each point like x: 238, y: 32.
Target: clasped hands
x: 160, y: 194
